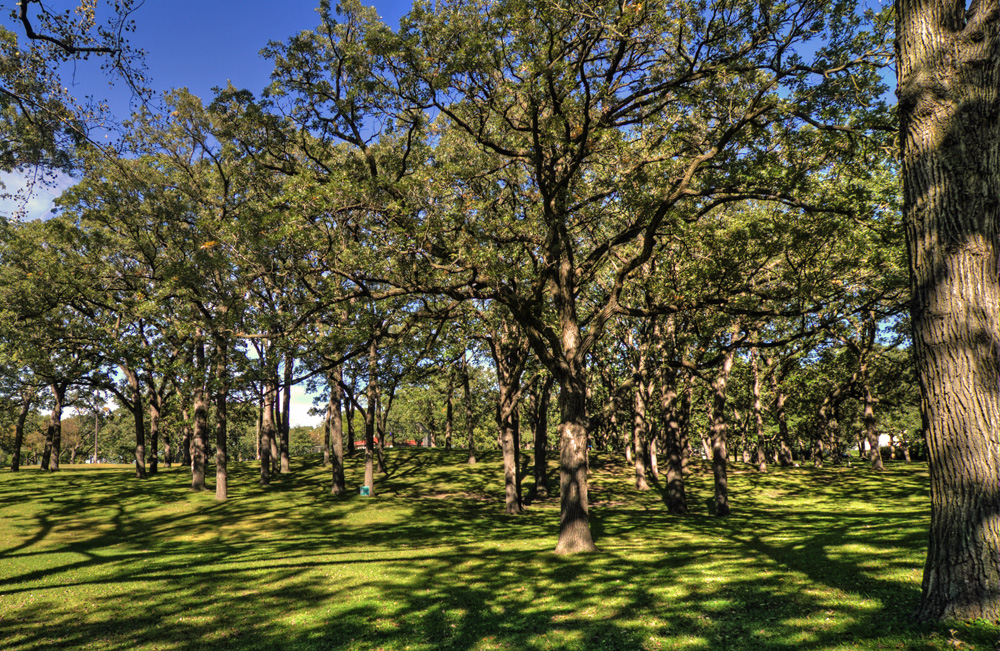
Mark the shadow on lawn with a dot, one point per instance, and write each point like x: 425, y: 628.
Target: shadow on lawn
x: 294, y: 568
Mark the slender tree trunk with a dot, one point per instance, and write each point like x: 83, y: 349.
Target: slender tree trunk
x: 870, y: 431
x: 541, y: 425
x: 138, y: 422
x: 260, y: 424
x: 286, y: 414
x: 186, y: 457
x: 383, y: 406
x: 785, y: 449
x: 221, y: 446
x: 337, y: 432
x: 469, y: 420
x: 676, y: 498
x: 221, y: 419
x: 449, y: 412
x: 758, y: 415
x: 168, y: 451
x: 349, y: 409
x: 720, y: 453
x: 275, y: 387
x: 154, y: 434
x: 327, y: 418
x: 97, y: 430
x: 370, y: 416
x: 509, y: 354
x: 27, y: 397
x: 508, y: 443
x: 639, y: 428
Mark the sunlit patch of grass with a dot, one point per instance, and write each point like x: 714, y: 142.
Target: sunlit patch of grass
x: 816, y: 559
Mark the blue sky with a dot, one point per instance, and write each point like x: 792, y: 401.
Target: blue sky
x: 202, y: 44
x: 197, y: 44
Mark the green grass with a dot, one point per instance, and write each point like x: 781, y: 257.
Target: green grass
x: 91, y: 558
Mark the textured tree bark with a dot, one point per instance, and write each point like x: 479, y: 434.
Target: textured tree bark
x: 509, y: 446
x: 199, y: 442
x: 22, y: 416
x: 221, y: 445
x: 676, y: 497
x: 720, y: 453
x: 53, y: 433
x: 574, y: 521
x: 337, y: 432
x: 948, y: 65
x: 510, y: 354
x: 138, y: 421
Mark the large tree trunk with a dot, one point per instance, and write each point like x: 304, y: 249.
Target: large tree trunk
x: 948, y: 62
x: 53, y: 433
x: 336, y: 427
x: 26, y: 398
x: 509, y: 445
x: 138, y: 421
x: 199, y: 442
x: 574, y: 520
x: 268, y: 431
x: 720, y: 452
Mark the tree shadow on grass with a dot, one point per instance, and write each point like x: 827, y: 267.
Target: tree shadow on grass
x: 108, y: 566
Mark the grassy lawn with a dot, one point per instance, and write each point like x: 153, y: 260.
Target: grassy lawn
x: 91, y: 558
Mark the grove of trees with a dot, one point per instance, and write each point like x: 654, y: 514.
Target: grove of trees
x: 671, y: 230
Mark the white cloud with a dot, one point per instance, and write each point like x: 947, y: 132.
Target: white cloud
x: 301, y: 404
x: 29, y: 198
